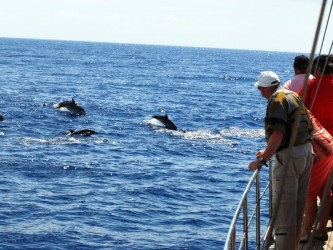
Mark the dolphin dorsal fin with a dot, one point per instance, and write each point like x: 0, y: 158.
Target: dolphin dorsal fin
x: 73, y: 100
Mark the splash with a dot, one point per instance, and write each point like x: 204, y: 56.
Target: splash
x: 207, y: 135
x: 228, y: 136
x: 63, y: 140
x: 243, y: 133
x: 53, y: 141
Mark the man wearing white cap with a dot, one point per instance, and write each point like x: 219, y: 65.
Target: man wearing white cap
x: 292, y: 165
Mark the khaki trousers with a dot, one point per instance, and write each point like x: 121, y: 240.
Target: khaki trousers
x: 287, y: 228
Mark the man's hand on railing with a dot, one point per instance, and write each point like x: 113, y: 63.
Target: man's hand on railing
x: 261, y: 161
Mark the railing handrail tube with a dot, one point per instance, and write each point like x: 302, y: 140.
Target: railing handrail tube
x: 231, y: 233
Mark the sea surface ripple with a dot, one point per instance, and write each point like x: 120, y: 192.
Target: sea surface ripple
x: 133, y: 184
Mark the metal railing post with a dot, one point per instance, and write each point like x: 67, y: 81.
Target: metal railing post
x: 245, y: 224
x: 258, y: 210
x: 231, y: 241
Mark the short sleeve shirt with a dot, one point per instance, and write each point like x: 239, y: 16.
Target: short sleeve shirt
x: 280, y: 116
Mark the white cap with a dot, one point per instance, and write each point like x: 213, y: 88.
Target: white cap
x: 267, y: 79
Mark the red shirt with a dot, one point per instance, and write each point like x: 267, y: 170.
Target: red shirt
x: 322, y: 107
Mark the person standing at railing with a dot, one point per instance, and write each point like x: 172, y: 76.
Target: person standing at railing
x: 300, y: 66
x: 319, y: 100
x: 291, y: 172
x: 322, y: 143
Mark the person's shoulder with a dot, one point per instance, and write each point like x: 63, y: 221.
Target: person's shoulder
x: 282, y: 89
x: 280, y: 93
x: 287, y: 84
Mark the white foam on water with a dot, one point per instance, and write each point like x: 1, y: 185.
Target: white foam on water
x: 242, y: 133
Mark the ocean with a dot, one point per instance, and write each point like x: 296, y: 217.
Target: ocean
x: 133, y: 184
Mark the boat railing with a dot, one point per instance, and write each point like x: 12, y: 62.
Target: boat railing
x: 240, y: 231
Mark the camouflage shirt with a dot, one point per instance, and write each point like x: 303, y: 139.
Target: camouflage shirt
x: 280, y: 116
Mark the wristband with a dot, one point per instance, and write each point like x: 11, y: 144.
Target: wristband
x: 262, y: 160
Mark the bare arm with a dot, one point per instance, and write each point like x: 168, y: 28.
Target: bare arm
x: 273, y: 144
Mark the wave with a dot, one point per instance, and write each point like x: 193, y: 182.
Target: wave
x: 63, y: 140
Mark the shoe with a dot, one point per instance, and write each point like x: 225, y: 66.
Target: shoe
x: 321, y: 236
x: 304, y: 239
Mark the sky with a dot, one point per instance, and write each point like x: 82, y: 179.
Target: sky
x: 273, y: 25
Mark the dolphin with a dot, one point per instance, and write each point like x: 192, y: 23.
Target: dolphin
x: 71, y: 106
x: 2, y: 118
x: 86, y: 132
x: 165, y: 121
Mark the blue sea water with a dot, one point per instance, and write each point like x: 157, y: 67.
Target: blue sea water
x: 133, y: 184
